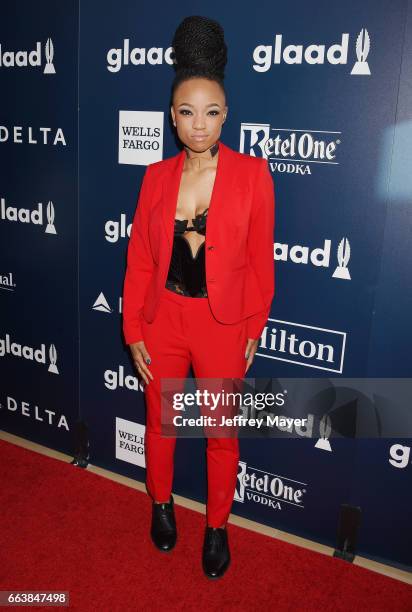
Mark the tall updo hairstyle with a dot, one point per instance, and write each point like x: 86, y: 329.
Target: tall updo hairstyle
x: 200, y: 51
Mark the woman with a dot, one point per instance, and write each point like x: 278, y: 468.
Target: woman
x: 200, y: 275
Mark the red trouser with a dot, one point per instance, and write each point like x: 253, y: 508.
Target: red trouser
x: 186, y: 333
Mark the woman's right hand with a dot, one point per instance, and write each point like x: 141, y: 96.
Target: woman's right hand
x: 141, y: 357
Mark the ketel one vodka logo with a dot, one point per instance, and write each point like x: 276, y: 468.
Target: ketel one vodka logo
x: 265, y: 56
x: 290, y: 151
x: 267, y: 489
x: 12, y: 59
x: 25, y: 215
x: 8, y: 347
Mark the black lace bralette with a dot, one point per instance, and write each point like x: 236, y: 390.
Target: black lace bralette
x: 199, y: 224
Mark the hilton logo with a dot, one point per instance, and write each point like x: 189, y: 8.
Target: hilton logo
x: 305, y: 345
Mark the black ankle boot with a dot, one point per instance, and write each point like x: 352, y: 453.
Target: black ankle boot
x: 163, y: 529
x: 216, y: 553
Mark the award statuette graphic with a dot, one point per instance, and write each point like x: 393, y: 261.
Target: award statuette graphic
x: 362, y: 50
x: 53, y: 359
x: 49, y: 53
x: 343, y: 256
x: 325, y: 429
x: 50, y: 229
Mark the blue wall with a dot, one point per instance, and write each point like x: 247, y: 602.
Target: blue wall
x: 352, y: 200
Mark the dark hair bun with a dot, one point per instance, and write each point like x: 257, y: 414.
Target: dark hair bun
x: 200, y: 47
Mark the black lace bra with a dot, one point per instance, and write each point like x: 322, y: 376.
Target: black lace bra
x: 187, y: 274
x: 199, y: 224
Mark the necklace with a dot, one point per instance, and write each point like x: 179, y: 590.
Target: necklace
x: 213, y: 150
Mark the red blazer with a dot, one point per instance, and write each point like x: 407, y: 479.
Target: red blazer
x: 239, y: 255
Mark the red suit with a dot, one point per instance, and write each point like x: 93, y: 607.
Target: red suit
x: 208, y: 333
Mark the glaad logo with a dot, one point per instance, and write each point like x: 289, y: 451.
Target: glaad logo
x: 267, y: 489
x: 319, y: 257
x: 7, y: 347
x: 48, y: 417
x: 114, y: 379
x: 305, y: 431
x: 290, y: 151
x: 306, y: 345
x: 399, y: 455
x: 266, y: 55
x: 12, y: 59
x: 25, y: 215
x: 7, y: 282
x: 114, y: 230
x: 138, y: 56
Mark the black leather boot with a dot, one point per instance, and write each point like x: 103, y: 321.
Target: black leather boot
x: 163, y: 529
x: 216, y: 553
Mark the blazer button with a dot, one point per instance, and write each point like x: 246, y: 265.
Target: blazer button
x: 210, y: 248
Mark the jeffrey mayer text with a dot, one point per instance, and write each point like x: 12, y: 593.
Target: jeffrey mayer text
x: 238, y: 420
x: 271, y: 421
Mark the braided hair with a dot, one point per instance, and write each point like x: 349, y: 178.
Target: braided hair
x: 200, y: 51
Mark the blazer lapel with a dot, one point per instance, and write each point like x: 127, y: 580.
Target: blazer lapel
x: 221, y: 193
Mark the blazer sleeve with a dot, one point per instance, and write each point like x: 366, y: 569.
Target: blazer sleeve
x: 260, y: 241
x: 139, y: 267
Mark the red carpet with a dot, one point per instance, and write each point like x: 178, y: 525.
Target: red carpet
x: 64, y: 528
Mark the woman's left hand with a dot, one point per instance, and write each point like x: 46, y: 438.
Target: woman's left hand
x: 251, y: 348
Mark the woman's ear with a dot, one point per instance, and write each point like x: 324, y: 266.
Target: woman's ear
x: 173, y: 115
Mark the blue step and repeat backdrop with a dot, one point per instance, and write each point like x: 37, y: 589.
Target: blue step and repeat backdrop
x: 321, y: 89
